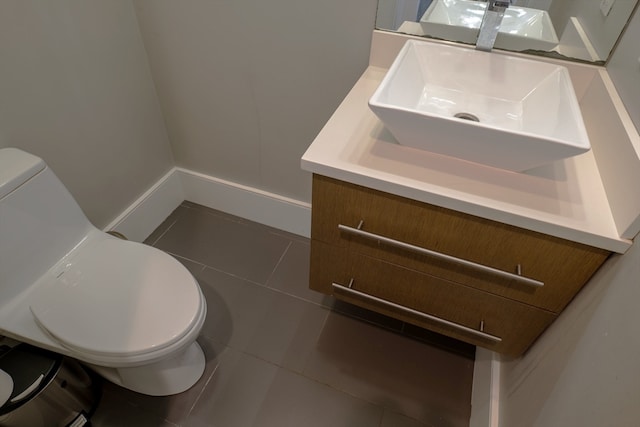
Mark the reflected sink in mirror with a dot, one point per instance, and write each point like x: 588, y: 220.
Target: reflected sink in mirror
x: 522, y: 28
x: 489, y: 108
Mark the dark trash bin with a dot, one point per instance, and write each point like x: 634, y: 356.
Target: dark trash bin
x: 47, y: 389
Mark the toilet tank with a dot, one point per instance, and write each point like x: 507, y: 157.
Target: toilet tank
x: 40, y: 222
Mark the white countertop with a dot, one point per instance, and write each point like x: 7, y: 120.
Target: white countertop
x: 565, y: 199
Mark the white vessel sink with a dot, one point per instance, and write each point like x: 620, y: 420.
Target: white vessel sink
x: 459, y: 20
x: 527, y: 110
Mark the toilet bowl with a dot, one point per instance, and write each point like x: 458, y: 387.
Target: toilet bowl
x: 129, y: 311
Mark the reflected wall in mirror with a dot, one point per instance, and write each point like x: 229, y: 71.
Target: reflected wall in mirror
x: 585, y: 30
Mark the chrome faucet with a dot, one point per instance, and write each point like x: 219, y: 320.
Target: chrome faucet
x: 491, y: 24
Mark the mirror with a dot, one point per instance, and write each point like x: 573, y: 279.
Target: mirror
x: 583, y: 30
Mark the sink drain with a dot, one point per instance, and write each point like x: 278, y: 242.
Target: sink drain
x: 467, y: 116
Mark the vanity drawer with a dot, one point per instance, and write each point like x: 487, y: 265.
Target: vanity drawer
x: 476, y: 252
x: 464, y: 313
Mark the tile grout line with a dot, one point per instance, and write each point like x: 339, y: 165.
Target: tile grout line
x: 244, y: 279
x: 286, y: 250
x: 197, y: 399
x: 190, y: 260
x: 324, y: 384
x: 163, y: 233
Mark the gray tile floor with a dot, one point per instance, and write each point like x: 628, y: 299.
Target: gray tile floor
x: 281, y: 355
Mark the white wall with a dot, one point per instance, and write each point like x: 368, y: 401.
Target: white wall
x: 76, y: 90
x: 535, y: 4
x: 245, y: 86
x: 584, y: 370
x: 392, y: 14
x: 602, y: 32
x: 624, y: 69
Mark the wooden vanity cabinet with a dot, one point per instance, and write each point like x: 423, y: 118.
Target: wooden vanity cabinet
x: 477, y: 280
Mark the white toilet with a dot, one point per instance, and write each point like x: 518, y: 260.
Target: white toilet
x: 129, y: 311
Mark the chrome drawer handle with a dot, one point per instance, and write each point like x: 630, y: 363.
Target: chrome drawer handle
x: 440, y: 255
x: 353, y: 292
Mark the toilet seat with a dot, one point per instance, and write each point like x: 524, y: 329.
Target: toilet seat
x: 116, y: 298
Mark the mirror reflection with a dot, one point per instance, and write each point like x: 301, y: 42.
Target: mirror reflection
x: 585, y: 30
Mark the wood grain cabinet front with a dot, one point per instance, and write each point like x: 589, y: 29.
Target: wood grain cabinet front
x: 432, y: 261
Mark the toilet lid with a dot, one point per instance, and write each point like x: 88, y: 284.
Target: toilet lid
x: 119, y: 298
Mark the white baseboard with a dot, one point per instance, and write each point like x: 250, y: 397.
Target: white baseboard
x: 485, y: 395
x: 149, y: 210
x: 251, y: 203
